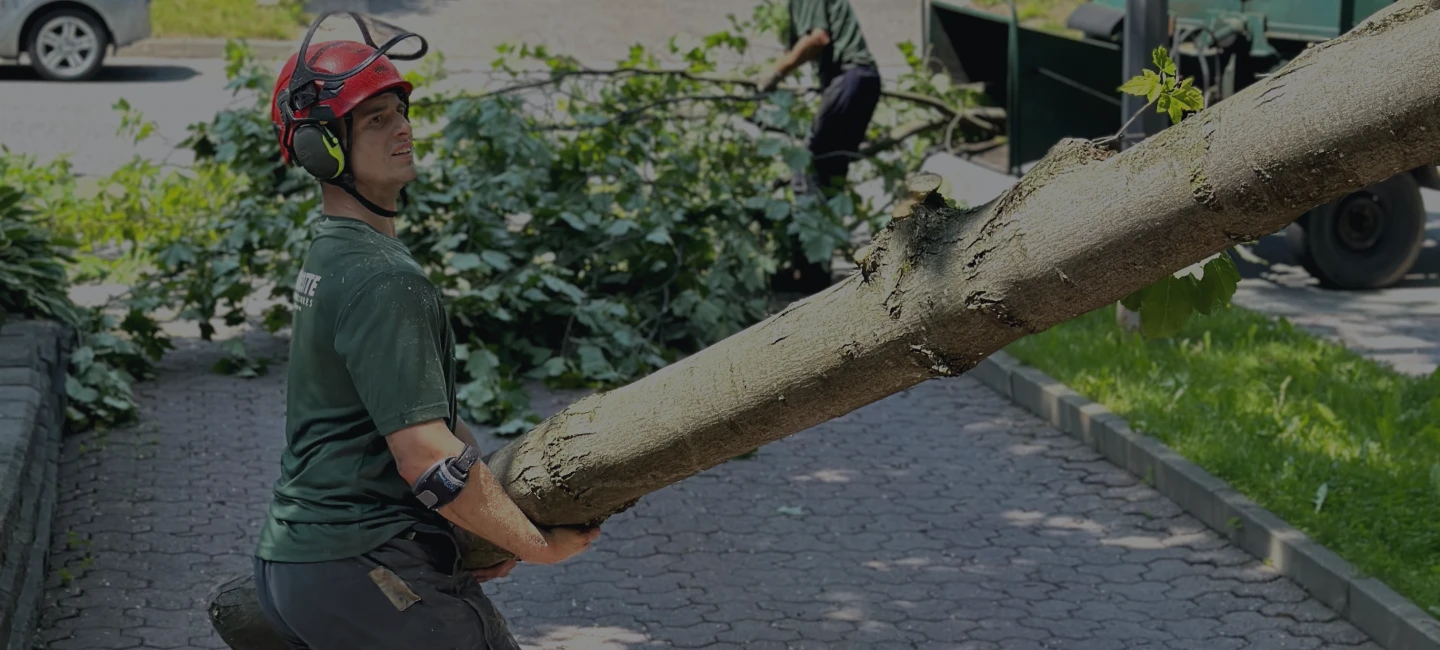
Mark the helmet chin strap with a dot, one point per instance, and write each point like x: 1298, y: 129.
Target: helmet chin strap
x: 347, y: 182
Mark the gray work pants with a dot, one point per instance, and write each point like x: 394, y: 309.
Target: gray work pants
x: 409, y: 593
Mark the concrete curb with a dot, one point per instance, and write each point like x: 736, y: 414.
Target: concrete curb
x: 1390, y: 619
x: 204, y: 48
x: 33, y: 359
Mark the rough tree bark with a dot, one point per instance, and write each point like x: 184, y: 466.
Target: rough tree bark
x: 939, y: 290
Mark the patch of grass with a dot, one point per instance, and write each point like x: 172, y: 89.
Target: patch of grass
x: 1340, y: 446
x: 228, y: 19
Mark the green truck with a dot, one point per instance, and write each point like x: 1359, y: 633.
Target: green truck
x: 1366, y: 240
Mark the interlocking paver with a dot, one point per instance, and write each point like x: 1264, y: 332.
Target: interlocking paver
x: 941, y: 517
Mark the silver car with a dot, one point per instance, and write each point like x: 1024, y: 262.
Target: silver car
x: 67, y: 40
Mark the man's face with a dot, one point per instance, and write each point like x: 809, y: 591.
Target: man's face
x: 380, y: 151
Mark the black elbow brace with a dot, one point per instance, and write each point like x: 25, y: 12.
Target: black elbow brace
x: 442, y: 483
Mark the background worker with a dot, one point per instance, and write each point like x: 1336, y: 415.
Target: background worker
x: 827, y: 33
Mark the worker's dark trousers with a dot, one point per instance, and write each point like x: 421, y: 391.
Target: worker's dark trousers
x: 846, y: 106
x: 341, y: 604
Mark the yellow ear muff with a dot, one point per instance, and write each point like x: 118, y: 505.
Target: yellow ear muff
x: 318, y: 151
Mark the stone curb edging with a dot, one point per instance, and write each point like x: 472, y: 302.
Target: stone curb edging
x: 1388, y: 618
x: 204, y: 48
x: 34, y: 356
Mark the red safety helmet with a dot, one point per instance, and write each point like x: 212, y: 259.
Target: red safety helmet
x: 370, y: 78
x: 334, y: 77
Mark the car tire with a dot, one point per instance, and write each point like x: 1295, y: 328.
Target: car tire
x: 67, y: 45
x: 1366, y: 240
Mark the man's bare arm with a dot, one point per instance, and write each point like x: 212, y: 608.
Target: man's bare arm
x: 483, y: 507
x: 805, y: 50
x: 462, y: 431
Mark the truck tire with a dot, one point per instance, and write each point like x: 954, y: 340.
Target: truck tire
x: 1366, y: 240
x: 68, y: 44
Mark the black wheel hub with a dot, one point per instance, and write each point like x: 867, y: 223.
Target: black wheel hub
x: 1360, y: 221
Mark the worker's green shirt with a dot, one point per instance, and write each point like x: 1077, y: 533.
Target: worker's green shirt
x: 847, y: 44
x: 372, y: 352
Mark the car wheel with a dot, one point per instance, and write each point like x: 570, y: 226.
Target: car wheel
x: 67, y: 45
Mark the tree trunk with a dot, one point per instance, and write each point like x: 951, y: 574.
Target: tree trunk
x: 939, y: 290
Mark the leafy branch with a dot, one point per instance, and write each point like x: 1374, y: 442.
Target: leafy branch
x: 1164, y: 89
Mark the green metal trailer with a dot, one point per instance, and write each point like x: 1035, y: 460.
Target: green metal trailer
x: 1054, y: 86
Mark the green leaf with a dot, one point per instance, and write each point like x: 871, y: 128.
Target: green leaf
x: 1218, y: 284
x: 1189, y: 98
x: 1177, y: 112
x: 797, y: 157
x: 1134, y: 300
x: 593, y: 363
x: 574, y: 221
x: 1141, y: 85
x: 1155, y: 90
x: 768, y: 146
x: 1166, y: 307
x: 496, y: 259
x: 82, y: 357
x: 1162, y: 61
x: 80, y: 392
x: 553, y: 367
x: 1227, y: 276
x: 659, y: 235
x: 777, y: 210
x: 561, y: 286
x: 465, y: 262
x: 513, y: 427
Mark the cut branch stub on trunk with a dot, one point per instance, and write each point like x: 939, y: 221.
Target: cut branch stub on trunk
x: 942, y: 289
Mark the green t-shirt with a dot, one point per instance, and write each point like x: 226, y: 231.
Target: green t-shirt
x: 847, y: 44
x: 372, y: 352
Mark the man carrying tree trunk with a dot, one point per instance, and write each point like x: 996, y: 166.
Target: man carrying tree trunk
x: 828, y: 33
x: 358, y: 548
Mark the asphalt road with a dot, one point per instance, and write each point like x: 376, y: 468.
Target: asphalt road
x: 48, y: 119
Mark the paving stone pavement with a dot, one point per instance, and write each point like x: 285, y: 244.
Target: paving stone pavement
x: 941, y: 517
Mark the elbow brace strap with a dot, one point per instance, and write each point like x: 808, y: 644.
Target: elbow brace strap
x: 442, y: 483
